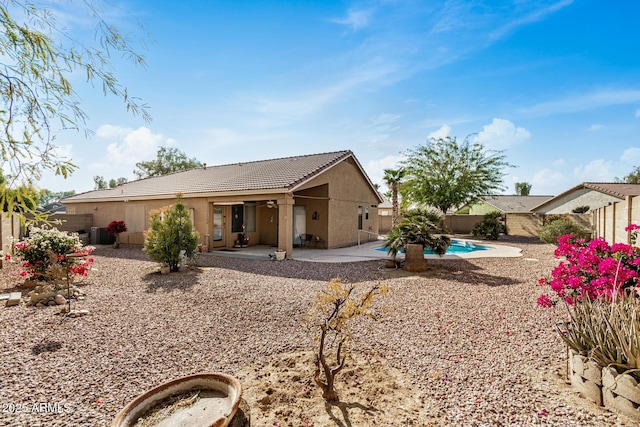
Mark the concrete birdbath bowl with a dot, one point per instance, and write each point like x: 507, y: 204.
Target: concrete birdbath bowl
x: 200, y: 400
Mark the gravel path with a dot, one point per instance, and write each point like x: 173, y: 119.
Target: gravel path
x: 468, y: 333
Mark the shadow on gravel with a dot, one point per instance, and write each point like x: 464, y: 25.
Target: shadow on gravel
x: 48, y: 347
x: 178, y: 280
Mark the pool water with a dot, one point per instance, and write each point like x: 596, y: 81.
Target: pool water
x: 456, y: 247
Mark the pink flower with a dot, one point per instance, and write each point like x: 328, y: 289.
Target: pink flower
x: 545, y: 301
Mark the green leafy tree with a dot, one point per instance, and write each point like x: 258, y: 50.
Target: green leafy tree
x: 392, y: 178
x: 47, y: 196
x: 171, y: 237
x: 523, y: 188
x: 632, y: 178
x: 23, y: 199
x: 99, y: 182
x: 38, y: 56
x: 445, y: 173
x: 113, y: 183
x: 168, y: 160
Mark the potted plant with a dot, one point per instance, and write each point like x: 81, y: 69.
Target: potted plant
x: 418, y: 229
x: 116, y: 227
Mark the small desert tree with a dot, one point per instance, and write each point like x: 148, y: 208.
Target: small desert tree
x: 335, y: 309
x: 171, y: 237
x: 116, y: 227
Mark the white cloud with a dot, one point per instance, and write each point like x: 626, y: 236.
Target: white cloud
x: 501, y: 134
x: 133, y: 145
x: 375, y: 168
x: 595, y: 127
x: 443, y: 132
x: 631, y: 156
x: 546, y: 181
x: 356, y: 18
x: 638, y: 112
x: 595, y: 171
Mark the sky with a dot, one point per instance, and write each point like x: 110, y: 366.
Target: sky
x: 554, y: 84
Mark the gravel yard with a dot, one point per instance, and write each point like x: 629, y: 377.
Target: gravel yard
x: 467, y: 335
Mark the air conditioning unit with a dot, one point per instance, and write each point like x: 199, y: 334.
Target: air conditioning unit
x: 99, y: 236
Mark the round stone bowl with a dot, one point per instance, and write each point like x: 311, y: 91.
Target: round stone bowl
x: 219, y: 398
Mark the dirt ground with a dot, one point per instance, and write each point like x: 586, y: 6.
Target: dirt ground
x: 283, y: 393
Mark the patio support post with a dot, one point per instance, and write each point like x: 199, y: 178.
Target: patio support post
x: 285, y: 224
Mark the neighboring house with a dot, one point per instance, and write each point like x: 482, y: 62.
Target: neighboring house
x: 385, y: 216
x: 519, y: 219
x: 273, y: 202
x: 593, y: 194
x: 506, y: 204
x: 53, y: 208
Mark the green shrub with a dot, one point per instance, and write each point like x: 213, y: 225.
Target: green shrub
x: 418, y: 226
x: 581, y: 209
x: 171, y: 237
x: 559, y: 227
x: 491, y: 226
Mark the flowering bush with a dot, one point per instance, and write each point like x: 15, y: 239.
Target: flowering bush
x: 597, y: 284
x: 592, y: 270
x: 43, y: 254
x: 116, y: 227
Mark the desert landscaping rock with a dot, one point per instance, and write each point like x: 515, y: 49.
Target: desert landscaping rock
x: 464, y: 342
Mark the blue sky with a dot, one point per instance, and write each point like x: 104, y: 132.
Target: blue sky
x: 556, y: 84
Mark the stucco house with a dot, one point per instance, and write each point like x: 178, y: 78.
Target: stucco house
x: 593, y: 194
x: 278, y: 202
x: 505, y: 204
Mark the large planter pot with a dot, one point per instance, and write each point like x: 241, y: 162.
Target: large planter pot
x: 414, y: 258
x: 218, y: 402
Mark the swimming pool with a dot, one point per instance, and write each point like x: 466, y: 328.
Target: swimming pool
x: 456, y: 247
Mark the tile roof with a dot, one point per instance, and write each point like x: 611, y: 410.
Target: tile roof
x: 515, y: 204
x: 283, y: 173
x: 615, y: 189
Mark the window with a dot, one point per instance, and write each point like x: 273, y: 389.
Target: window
x: 250, y: 217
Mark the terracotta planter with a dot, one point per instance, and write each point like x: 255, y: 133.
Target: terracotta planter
x: 220, y: 396
x: 280, y: 255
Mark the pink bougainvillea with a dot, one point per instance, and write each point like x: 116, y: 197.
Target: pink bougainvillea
x: 592, y: 270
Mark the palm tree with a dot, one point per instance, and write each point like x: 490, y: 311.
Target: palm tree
x: 392, y: 178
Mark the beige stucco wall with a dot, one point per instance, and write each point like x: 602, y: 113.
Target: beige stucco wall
x: 347, y: 189
x: 331, y: 201
x: 582, y: 197
x: 523, y: 224
x: 610, y: 221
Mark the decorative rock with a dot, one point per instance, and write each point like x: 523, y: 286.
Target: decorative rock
x: 51, y: 303
x: 14, y: 299
x: 60, y: 300
x: 620, y: 393
x: 579, y: 369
